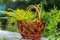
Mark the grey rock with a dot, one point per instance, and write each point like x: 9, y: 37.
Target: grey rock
x: 13, y: 36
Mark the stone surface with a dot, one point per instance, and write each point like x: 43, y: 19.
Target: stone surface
x: 13, y: 35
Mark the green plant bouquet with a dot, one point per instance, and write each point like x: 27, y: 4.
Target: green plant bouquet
x: 29, y: 23
x: 21, y: 15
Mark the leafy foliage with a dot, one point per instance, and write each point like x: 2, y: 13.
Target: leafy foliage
x: 12, y: 26
x: 51, y: 19
x: 21, y: 15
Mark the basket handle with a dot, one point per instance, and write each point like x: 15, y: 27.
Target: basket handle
x: 37, y: 10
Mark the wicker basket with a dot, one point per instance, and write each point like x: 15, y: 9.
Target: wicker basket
x: 32, y: 30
